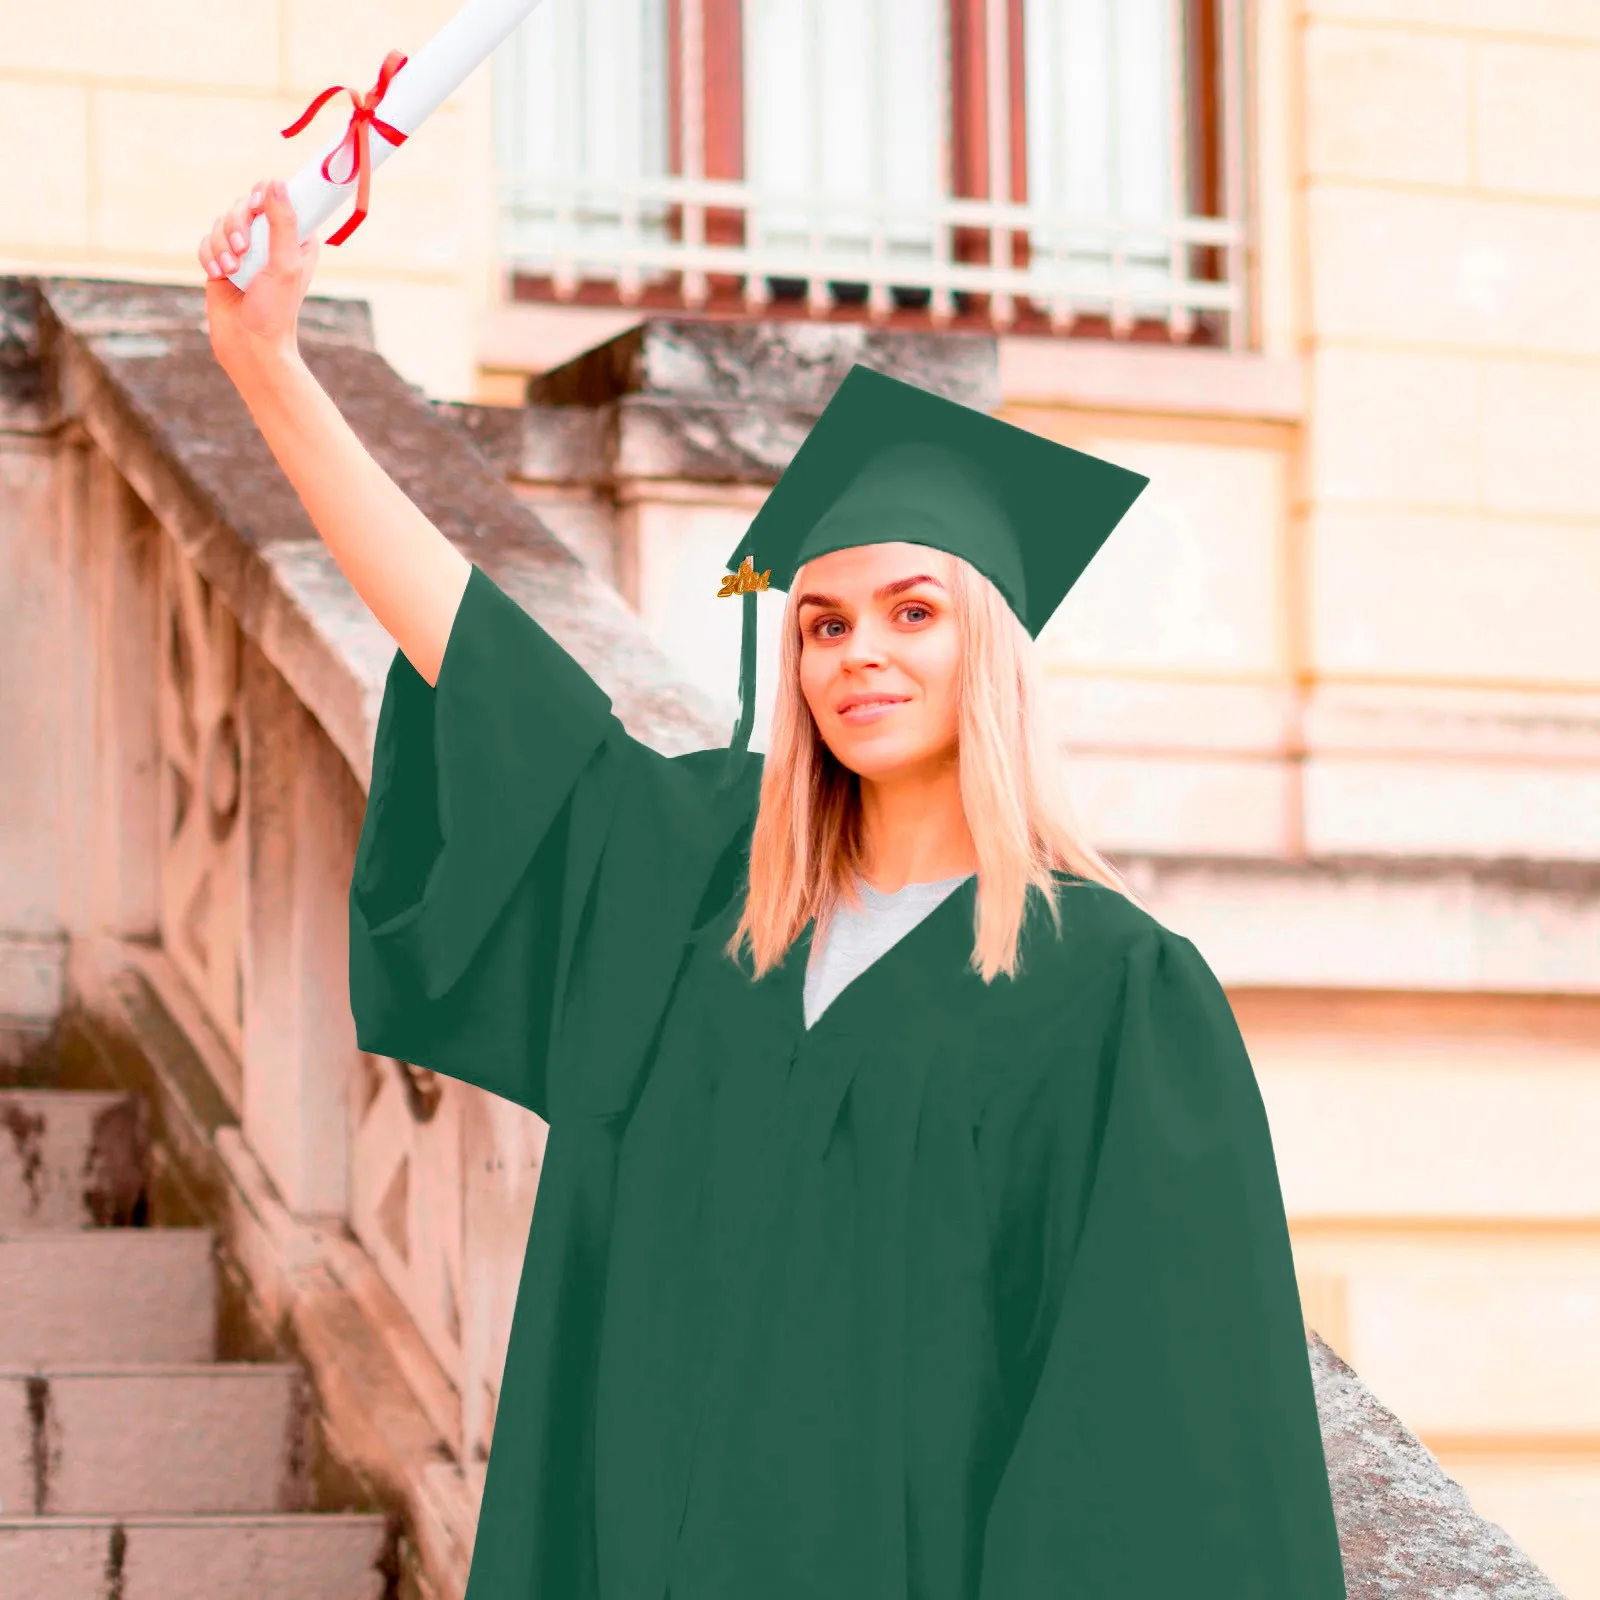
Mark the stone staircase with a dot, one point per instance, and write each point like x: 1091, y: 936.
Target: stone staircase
x: 134, y: 1463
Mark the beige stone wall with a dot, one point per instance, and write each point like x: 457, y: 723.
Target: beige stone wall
x: 1453, y: 207
x: 1452, y: 210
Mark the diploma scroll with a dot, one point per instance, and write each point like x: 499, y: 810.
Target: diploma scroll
x: 405, y: 102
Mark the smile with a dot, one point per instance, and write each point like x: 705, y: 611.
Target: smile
x: 870, y: 710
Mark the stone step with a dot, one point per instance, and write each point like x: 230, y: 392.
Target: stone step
x: 333, y: 1556
x: 71, y: 1158
x: 107, y: 1295
x: 155, y: 1439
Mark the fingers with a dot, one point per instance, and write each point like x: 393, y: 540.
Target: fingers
x: 284, y: 226
x: 219, y: 244
x: 224, y: 247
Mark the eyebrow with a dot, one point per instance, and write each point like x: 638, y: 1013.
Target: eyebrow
x: 897, y: 587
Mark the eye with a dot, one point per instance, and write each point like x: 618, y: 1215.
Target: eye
x: 815, y: 628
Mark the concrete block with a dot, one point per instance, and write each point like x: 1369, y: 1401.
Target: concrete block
x: 1443, y: 596
x: 1394, y: 427
x: 1540, y: 442
x: 164, y: 165
x: 163, y: 42
x: 1530, y: 1300
x: 1468, y: 273
x: 1363, y: 922
x: 1194, y: 577
x: 44, y: 200
x: 421, y: 324
x: 1423, y: 1107
x: 1150, y: 379
x: 1412, y: 808
x: 1538, y: 109
x: 1388, y: 105
x: 1167, y: 716
x: 1172, y: 805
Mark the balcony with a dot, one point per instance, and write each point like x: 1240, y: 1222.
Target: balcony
x: 1065, y: 167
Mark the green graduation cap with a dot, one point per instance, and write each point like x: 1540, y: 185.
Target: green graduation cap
x: 888, y: 462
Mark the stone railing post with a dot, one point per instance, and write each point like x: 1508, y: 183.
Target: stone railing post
x: 302, y: 819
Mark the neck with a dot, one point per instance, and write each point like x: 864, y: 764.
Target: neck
x: 914, y: 829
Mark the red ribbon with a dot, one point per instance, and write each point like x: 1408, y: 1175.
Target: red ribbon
x: 357, y: 135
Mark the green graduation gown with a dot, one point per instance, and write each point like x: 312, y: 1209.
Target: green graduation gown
x: 966, y: 1293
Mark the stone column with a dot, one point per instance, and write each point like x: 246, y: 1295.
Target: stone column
x: 302, y: 810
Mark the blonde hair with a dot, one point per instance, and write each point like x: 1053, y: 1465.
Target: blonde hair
x: 807, y: 846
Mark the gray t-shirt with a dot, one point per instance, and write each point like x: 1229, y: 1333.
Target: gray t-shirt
x: 857, y: 938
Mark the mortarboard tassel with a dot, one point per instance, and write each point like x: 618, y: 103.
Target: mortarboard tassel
x: 747, y: 691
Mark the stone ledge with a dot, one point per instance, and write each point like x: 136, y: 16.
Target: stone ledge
x: 706, y: 441
x: 1441, y: 924
x: 136, y: 318
x: 792, y: 363
x: 643, y: 438
x: 1152, y: 380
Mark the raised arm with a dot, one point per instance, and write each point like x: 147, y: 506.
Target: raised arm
x: 523, y: 858
x: 410, y: 576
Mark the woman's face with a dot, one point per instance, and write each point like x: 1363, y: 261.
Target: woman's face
x: 877, y: 623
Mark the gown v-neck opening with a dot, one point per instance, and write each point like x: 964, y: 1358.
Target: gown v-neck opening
x: 799, y: 957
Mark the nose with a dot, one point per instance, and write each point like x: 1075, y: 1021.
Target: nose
x: 865, y: 646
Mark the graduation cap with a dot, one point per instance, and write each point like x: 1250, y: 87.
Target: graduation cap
x: 888, y: 462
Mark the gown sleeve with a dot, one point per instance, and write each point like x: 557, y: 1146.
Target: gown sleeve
x: 1166, y: 1438
x: 491, y: 818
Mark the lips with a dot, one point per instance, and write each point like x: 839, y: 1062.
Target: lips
x: 854, y: 701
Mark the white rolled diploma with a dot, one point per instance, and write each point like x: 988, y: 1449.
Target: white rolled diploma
x: 417, y: 90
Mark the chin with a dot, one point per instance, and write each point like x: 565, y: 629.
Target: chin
x: 878, y: 759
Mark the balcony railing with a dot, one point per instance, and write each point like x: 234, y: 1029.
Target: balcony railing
x: 1071, y: 165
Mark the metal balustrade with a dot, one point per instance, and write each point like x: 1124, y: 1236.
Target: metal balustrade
x: 848, y: 193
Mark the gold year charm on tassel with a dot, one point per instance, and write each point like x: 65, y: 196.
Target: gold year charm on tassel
x: 744, y: 580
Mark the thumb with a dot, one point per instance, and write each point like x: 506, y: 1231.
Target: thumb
x: 283, y: 229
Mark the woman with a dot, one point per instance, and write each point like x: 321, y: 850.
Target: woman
x: 909, y: 1224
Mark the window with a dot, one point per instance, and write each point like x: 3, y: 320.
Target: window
x: 1065, y: 165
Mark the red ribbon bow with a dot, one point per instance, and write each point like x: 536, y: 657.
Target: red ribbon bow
x: 356, y: 134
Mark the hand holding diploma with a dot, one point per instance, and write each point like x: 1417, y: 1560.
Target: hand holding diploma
x: 406, y: 92
x: 257, y: 326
